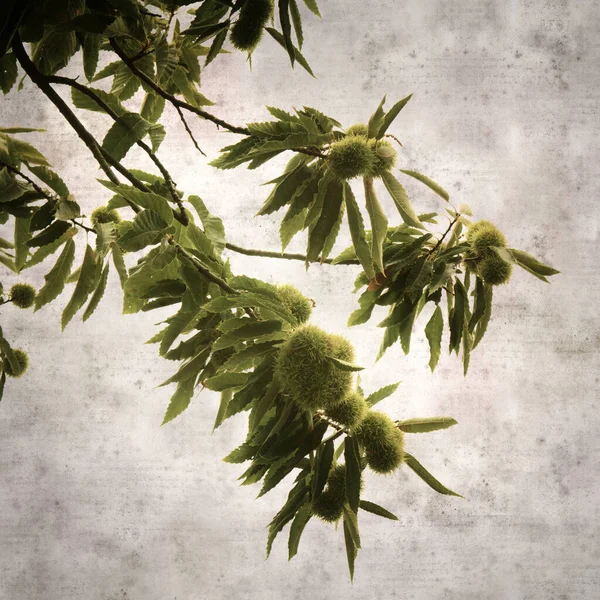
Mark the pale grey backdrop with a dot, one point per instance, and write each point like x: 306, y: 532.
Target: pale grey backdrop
x: 97, y: 501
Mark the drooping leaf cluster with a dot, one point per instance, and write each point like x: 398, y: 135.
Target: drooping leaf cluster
x: 248, y: 340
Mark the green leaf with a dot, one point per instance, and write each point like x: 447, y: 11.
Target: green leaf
x: 351, y: 549
x: 458, y: 316
x: 357, y: 231
x: 152, y: 107
x: 98, y: 293
x: 8, y: 72
x: 379, y: 223
x: 479, y: 304
x: 216, y: 46
x: 146, y: 229
x: 180, y: 400
x: 248, y: 356
x: 485, y: 319
x: 295, y: 175
x: 363, y: 314
x: 91, y: 52
x: 85, y: 102
x: 213, y: 226
x: 42, y: 253
x: 344, y: 365
x: 119, y: 263
x: 425, y: 425
x: 297, y: 55
x: 56, y: 278
x: 298, y: 524
x: 226, y: 397
x: 188, y: 89
x: 286, y: 28
x: 377, y: 510
x: 49, y: 235
x: 527, y: 262
x: 124, y: 133
x: 82, y: 288
x: 249, y: 300
x: 248, y: 331
x: 382, y: 393
x: 427, y: 477
x: 321, y: 229
x: 294, y: 501
x: 51, y: 179
x: 432, y: 185
x: 351, y: 518
x: 433, y: 331
x: 400, y: 198
x: 376, y: 120
x: 323, y: 461
x: 312, y: 6
x: 391, y: 115
x: 297, y: 21
x: 157, y: 134
x: 225, y: 381
x: 22, y: 236
x: 353, y: 472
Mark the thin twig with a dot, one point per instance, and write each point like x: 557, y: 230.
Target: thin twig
x: 284, y: 255
x: 189, y: 131
x: 172, y: 99
x: 111, y: 113
x: 40, y: 80
x: 33, y: 184
x: 439, y: 243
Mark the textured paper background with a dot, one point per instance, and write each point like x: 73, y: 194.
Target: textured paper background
x: 97, y: 501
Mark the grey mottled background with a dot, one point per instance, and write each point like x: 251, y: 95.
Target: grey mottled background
x: 97, y: 501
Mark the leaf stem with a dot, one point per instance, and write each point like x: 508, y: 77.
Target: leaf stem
x: 169, y: 97
x: 272, y: 254
x: 439, y: 242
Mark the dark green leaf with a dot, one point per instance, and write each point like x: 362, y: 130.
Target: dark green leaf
x: 48, y: 235
x: 98, y: 293
x: 379, y: 223
x: 180, y: 400
x: 298, y: 524
x: 353, y: 472
x: 323, y: 462
x: 458, y: 316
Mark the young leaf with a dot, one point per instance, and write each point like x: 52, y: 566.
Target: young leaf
x: 56, y: 278
x: 391, y: 115
x: 432, y: 185
x: 344, y: 365
x: 427, y: 477
x: 180, y: 400
x: 82, y: 288
x: 400, y: 198
x: 379, y: 223
x: 382, y: 393
x: 377, y: 510
x: 433, y: 331
x: 376, y: 120
x: 425, y: 425
x: 298, y: 524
